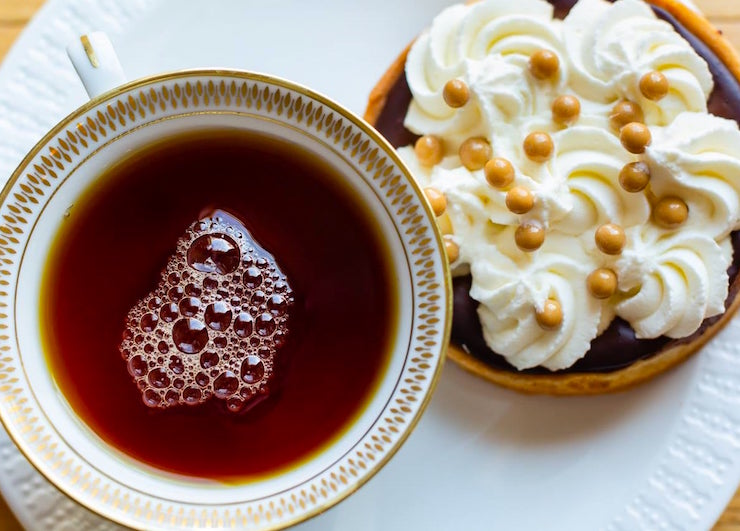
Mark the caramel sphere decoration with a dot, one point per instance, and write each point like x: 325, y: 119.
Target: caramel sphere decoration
x: 634, y: 177
x: 499, y: 172
x: 519, y: 200
x: 670, y: 212
x: 602, y: 283
x: 453, y: 251
x: 538, y: 146
x: 544, y: 64
x: 625, y: 112
x: 610, y: 239
x: 437, y: 200
x: 445, y: 225
x: 550, y: 316
x: 565, y: 109
x: 635, y: 137
x: 428, y: 150
x: 455, y: 93
x: 529, y: 236
x: 475, y: 152
x: 654, y: 85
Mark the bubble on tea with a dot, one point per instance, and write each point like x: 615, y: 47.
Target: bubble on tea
x: 213, y: 325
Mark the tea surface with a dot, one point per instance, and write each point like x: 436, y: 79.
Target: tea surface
x: 109, y: 253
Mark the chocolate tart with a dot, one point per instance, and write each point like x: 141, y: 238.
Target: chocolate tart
x: 617, y: 359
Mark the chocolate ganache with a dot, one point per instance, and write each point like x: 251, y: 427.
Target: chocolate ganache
x: 617, y: 347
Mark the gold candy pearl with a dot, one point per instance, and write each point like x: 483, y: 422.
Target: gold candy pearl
x: 610, y: 239
x: 499, y: 172
x: 455, y: 93
x: 529, y: 237
x: 634, y: 177
x: 654, y: 85
x: 670, y: 212
x: 538, y: 146
x: 565, y: 109
x: 452, y: 250
x: 625, y: 112
x: 550, y: 316
x: 475, y: 152
x: 635, y: 137
x: 519, y: 200
x: 437, y: 200
x: 544, y: 64
x: 428, y: 150
x: 445, y: 225
x: 602, y: 283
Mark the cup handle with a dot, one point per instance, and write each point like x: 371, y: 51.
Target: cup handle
x: 96, y: 63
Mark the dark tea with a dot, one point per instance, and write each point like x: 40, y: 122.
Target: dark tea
x: 110, y: 254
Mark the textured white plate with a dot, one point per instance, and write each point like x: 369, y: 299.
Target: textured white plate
x: 664, y: 456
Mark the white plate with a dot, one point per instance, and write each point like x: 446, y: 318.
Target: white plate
x: 664, y: 456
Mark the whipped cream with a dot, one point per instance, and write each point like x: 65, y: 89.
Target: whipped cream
x: 611, y: 46
x: 508, y: 285
x: 487, y: 45
x: 670, y: 277
x: 671, y: 282
x: 696, y: 157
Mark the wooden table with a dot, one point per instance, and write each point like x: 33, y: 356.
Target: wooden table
x: 725, y: 14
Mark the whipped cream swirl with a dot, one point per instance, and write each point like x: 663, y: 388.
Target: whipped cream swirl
x: 509, y: 285
x: 587, y: 161
x: 487, y: 45
x: 696, y: 157
x: 670, y: 277
x: 611, y: 46
x: 672, y: 282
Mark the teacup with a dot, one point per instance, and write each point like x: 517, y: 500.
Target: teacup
x: 123, y: 119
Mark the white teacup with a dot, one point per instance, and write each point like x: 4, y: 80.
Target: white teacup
x: 72, y: 155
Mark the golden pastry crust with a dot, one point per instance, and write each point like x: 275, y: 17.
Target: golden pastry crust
x: 379, y: 95
x: 591, y: 383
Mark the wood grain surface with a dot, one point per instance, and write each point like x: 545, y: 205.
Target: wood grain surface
x: 725, y: 14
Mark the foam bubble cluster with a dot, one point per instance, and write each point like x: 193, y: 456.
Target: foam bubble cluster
x: 214, y: 323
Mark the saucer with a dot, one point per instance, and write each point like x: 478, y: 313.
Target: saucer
x: 666, y: 454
